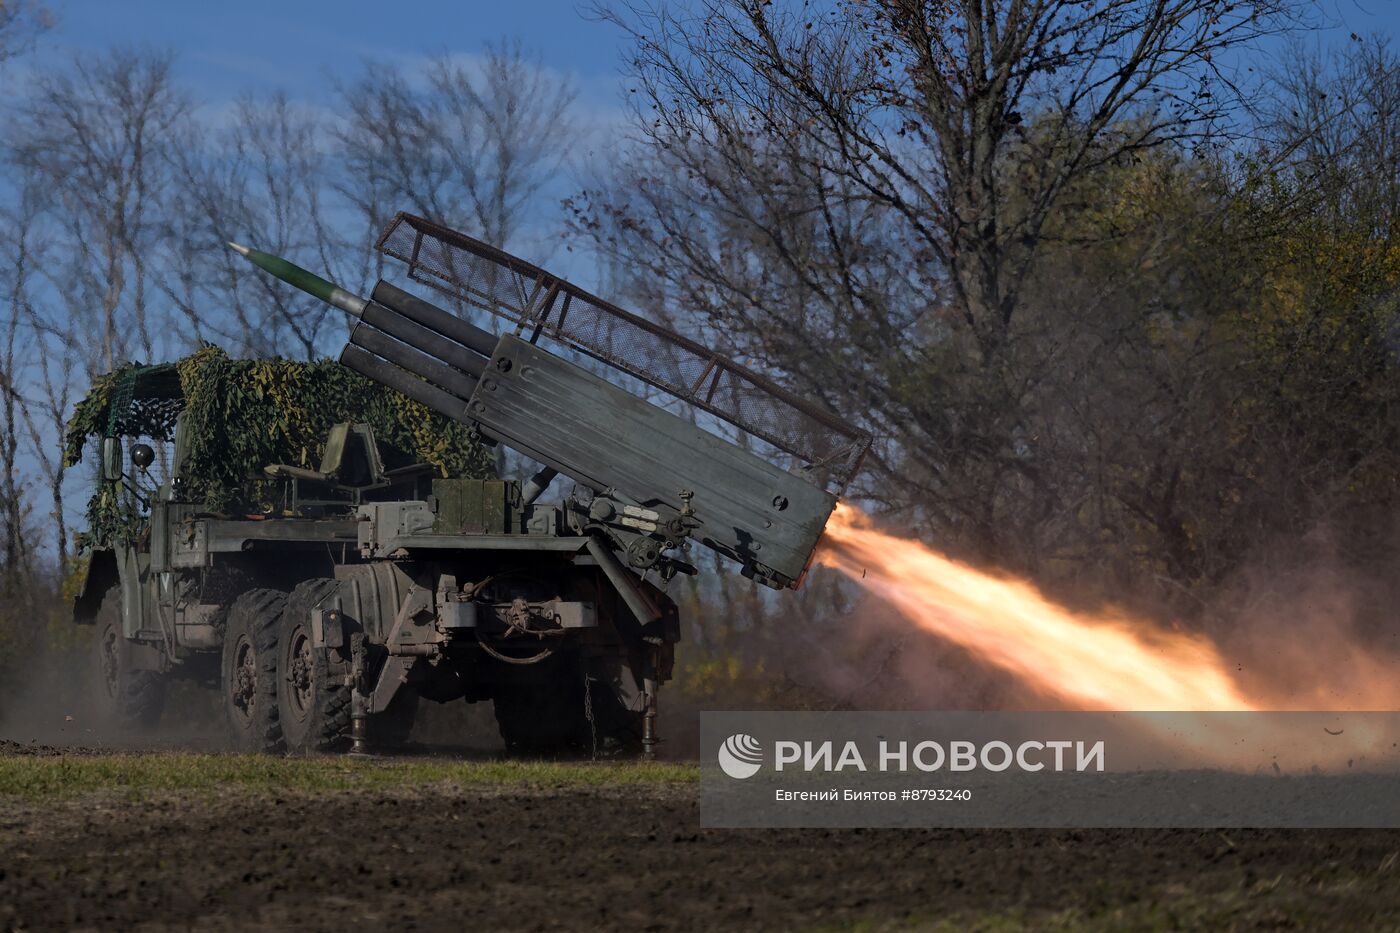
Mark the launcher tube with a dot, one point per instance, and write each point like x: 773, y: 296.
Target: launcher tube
x: 415, y: 361
x: 401, y: 381
x: 421, y: 338
x: 434, y: 318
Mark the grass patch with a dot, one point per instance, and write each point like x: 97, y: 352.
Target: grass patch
x: 69, y: 775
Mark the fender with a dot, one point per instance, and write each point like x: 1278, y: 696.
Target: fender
x: 101, y: 576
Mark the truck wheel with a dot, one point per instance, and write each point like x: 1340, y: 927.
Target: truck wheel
x: 391, y: 728
x: 249, y: 681
x: 124, y: 698
x: 618, y: 729
x: 313, y: 702
x: 541, y: 719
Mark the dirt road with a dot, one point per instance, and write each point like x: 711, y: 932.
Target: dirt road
x: 545, y: 853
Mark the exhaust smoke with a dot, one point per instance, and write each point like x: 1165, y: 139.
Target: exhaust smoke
x: 1107, y: 660
x: 1101, y: 661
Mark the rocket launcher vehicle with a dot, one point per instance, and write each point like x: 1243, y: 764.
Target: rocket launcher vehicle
x: 658, y: 478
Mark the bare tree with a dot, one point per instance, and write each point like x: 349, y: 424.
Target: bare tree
x: 14, y: 548
x: 21, y: 23
x: 965, y: 122
x: 95, y: 138
x: 39, y: 380
x: 261, y: 180
x: 467, y: 142
x: 1334, y: 119
x: 45, y: 416
x: 132, y: 194
x: 857, y: 197
x: 89, y: 145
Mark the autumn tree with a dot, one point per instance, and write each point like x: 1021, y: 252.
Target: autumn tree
x: 859, y: 197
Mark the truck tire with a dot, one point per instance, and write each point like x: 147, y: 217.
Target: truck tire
x: 312, y: 701
x: 616, y: 730
x: 249, y: 671
x: 391, y: 728
x: 542, y: 718
x: 124, y: 699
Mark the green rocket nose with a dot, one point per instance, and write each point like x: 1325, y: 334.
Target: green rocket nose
x: 309, y: 282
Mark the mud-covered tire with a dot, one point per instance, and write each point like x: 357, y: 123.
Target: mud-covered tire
x: 312, y: 699
x: 553, y: 718
x: 391, y: 728
x: 542, y: 718
x: 618, y: 729
x: 124, y: 698
x: 248, y: 681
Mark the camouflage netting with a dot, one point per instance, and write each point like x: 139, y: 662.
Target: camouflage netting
x: 242, y: 415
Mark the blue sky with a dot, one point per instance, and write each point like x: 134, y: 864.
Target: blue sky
x: 301, y: 47
x: 304, y: 47
x: 296, y: 45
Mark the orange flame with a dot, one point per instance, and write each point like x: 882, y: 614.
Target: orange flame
x: 1096, y: 661
x: 1103, y: 660
x: 1089, y: 662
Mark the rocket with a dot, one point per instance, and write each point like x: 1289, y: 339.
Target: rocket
x: 408, y: 344
x: 577, y: 422
x: 411, y: 345
x: 309, y: 282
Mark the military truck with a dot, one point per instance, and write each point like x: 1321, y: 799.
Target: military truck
x: 324, y: 597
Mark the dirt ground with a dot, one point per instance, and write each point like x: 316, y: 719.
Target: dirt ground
x: 505, y: 857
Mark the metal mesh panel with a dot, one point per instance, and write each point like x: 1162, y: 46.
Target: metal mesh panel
x: 485, y: 277
x: 145, y: 402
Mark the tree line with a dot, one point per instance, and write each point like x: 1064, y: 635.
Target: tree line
x: 122, y: 188
x: 1112, y: 282
x: 1115, y: 292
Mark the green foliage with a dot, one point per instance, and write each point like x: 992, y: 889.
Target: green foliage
x: 113, y: 408
x: 1203, y: 368
x: 241, y: 415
